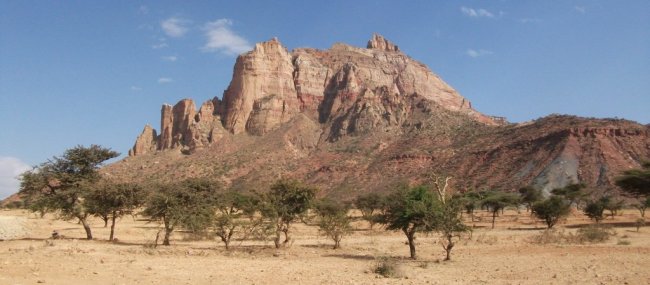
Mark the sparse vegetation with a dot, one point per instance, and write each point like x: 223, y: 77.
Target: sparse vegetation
x: 110, y: 200
x: 234, y: 213
x: 529, y: 196
x: 334, y: 221
x: 496, y: 201
x: 369, y: 204
x: 387, y: 267
x: 185, y: 204
x: 287, y: 200
x: 574, y: 193
x: 551, y: 210
x: 61, y: 184
x: 594, y: 210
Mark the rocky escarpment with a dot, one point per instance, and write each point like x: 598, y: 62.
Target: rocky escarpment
x: 351, y: 119
x: 349, y: 90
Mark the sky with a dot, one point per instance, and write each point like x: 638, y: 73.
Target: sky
x: 95, y: 72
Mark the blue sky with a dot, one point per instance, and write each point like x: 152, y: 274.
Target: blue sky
x: 84, y: 72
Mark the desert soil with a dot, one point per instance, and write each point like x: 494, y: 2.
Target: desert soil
x: 504, y: 255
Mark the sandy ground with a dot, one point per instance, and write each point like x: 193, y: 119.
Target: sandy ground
x: 504, y: 255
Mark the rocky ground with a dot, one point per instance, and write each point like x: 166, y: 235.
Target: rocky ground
x: 505, y: 255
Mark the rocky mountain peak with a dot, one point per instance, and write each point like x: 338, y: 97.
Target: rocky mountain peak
x: 379, y: 42
x: 348, y: 90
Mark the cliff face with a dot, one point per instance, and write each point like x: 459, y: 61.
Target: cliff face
x: 347, y: 89
x: 354, y: 119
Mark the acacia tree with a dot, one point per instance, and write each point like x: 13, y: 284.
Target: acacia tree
x: 410, y: 210
x: 185, y: 204
x: 529, y: 196
x: 574, y: 193
x: 594, y: 210
x: 369, y: 204
x: 232, y: 208
x: 334, y: 220
x: 113, y: 200
x: 448, y: 222
x: 287, y: 200
x: 636, y: 182
x: 496, y: 201
x: 62, y: 183
x: 551, y: 210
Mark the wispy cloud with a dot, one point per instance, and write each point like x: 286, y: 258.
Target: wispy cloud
x: 221, y: 38
x: 135, y: 88
x: 580, y: 9
x: 10, y: 169
x: 477, y: 53
x: 170, y: 58
x: 159, y: 45
x: 175, y: 27
x: 529, y: 20
x: 164, y: 80
x: 476, y: 13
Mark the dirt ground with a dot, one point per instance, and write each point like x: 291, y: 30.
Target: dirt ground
x: 504, y: 255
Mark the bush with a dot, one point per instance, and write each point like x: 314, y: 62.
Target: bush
x: 594, y: 210
x: 387, y: 267
x: 595, y: 233
x: 551, y: 210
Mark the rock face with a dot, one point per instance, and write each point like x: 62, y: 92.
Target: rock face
x: 349, y: 90
x: 145, y: 143
x: 351, y: 119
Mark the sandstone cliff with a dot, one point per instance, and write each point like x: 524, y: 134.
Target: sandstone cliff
x: 351, y: 119
x: 349, y: 90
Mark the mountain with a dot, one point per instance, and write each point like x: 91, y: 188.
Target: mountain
x: 353, y: 120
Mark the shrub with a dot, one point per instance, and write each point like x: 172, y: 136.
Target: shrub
x: 551, y: 210
x: 595, y: 233
x: 387, y: 267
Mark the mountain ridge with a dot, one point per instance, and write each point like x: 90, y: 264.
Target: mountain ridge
x: 353, y: 120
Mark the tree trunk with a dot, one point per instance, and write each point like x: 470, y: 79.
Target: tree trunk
x: 89, y: 234
x: 337, y: 241
x: 278, y: 236
x: 168, y: 233
x: 494, y: 217
x: 105, y: 218
x: 112, y: 227
x: 287, y: 238
x: 449, y: 247
x: 410, y: 235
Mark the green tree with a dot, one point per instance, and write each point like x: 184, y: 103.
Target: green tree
x: 410, y: 210
x: 496, y: 201
x: 574, y: 193
x: 234, y: 212
x: 611, y: 204
x: 369, y: 204
x: 594, y: 210
x: 334, y: 221
x: 642, y: 205
x: 186, y: 204
x: 529, y: 196
x: 448, y: 222
x: 287, y: 200
x: 61, y: 183
x: 114, y: 200
x: 469, y: 201
x: 551, y: 210
x: 636, y: 182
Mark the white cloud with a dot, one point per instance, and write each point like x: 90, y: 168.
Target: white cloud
x: 135, y: 88
x: 476, y: 53
x: 477, y: 13
x: 163, y: 80
x: 170, y: 58
x: 175, y: 27
x: 529, y: 20
x: 220, y: 38
x: 581, y: 9
x: 159, y: 46
x: 10, y: 169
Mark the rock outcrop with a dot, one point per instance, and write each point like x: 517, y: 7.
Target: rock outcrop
x: 349, y: 90
x: 145, y: 143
